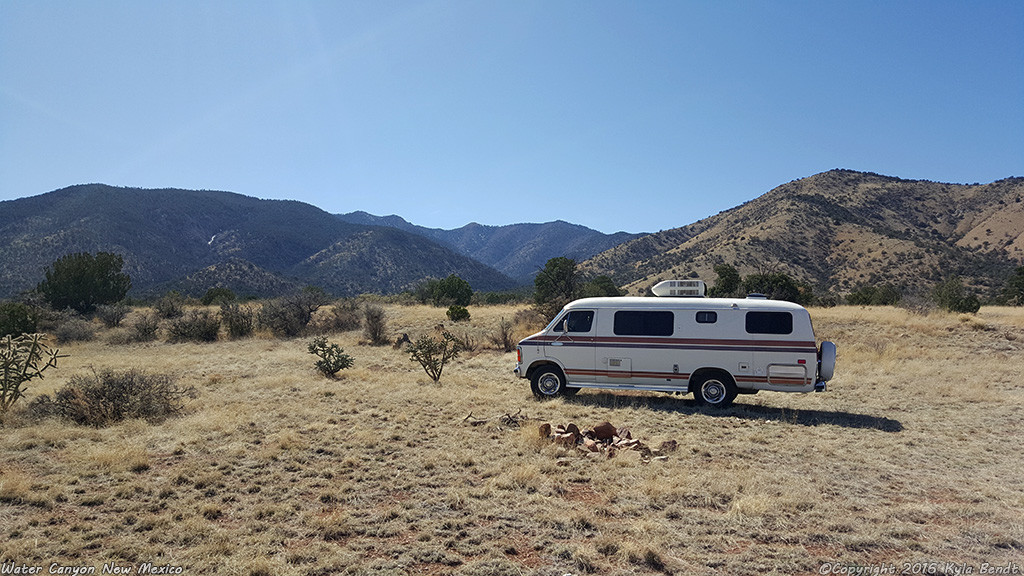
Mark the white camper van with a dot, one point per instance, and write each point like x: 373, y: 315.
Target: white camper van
x: 715, y: 348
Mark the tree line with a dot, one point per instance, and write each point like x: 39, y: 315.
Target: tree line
x: 96, y: 283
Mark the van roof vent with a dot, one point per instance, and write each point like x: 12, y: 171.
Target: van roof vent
x: 756, y: 296
x: 680, y: 288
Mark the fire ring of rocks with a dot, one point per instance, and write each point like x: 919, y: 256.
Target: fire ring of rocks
x: 604, y: 439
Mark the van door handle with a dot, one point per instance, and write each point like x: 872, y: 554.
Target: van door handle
x: 556, y: 343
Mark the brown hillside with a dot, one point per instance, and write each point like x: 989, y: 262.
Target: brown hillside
x: 839, y: 230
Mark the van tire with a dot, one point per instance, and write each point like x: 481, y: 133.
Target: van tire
x: 714, y: 390
x: 548, y: 382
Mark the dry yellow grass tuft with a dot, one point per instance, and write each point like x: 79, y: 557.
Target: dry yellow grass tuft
x: 912, y: 456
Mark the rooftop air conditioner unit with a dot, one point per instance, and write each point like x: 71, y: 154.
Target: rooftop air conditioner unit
x: 680, y: 288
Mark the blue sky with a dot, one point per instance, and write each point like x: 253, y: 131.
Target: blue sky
x: 626, y: 115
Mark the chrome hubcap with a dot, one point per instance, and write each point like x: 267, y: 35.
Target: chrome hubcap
x: 712, y: 391
x: 549, y: 384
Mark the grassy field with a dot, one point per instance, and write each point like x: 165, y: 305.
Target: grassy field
x: 913, y: 456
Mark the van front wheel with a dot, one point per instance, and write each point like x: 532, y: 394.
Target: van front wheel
x: 714, y: 390
x: 548, y: 382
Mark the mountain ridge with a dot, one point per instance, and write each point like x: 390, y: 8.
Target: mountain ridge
x: 839, y: 230
x: 517, y: 250
x: 168, y: 235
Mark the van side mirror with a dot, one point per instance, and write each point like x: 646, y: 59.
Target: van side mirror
x: 565, y: 325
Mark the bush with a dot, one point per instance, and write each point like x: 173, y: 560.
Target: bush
x: 22, y: 359
x: 239, y: 321
x: 74, y: 328
x: 144, y: 328
x: 332, y: 357
x: 109, y: 397
x: 218, y: 296
x: 112, y: 314
x: 458, y: 313
x: 433, y: 354
x: 952, y: 296
x: 375, y: 326
x: 502, y: 338
x: 196, y: 326
x: 17, y: 318
x: 289, y: 316
x: 339, y: 318
x: 1013, y: 290
x: 884, y: 295
x: 171, y: 305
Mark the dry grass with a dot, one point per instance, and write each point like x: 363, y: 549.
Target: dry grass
x: 912, y: 456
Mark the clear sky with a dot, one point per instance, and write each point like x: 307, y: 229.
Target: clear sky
x: 624, y: 115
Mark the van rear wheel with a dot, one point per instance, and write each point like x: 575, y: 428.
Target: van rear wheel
x: 714, y: 390
x: 548, y: 382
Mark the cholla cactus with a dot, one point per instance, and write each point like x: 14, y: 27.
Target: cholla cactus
x: 434, y: 354
x: 22, y: 359
x: 332, y: 357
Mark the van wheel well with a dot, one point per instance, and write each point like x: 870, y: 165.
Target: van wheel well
x: 713, y: 387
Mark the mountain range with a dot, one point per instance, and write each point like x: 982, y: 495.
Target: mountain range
x: 840, y: 230
x: 837, y: 230
x: 518, y: 250
x: 191, y: 240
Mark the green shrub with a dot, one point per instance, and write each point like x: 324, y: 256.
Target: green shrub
x: 952, y: 296
x: 17, y: 318
x: 433, y: 354
x: 23, y: 359
x: 108, y: 396
x: 458, y: 313
x: 332, y: 357
x: 218, y: 296
x: 239, y: 321
x: 196, y: 326
x: 884, y: 295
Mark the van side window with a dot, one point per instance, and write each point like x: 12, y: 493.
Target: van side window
x: 644, y: 323
x: 579, y: 321
x: 707, y: 317
x: 769, y: 323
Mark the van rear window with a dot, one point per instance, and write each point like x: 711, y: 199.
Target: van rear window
x: 644, y: 323
x: 769, y: 323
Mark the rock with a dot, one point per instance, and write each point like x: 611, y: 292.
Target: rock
x: 566, y: 440
x: 668, y: 446
x: 545, y: 430
x: 573, y: 429
x: 591, y: 445
x: 605, y: 431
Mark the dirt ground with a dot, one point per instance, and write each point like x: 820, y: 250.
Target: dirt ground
x: 911, y: 461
